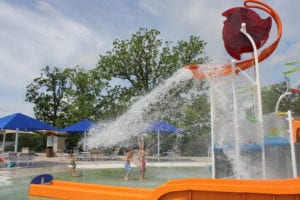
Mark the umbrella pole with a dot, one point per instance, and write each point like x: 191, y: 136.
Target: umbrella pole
x: 84, y: 142
x: 3, y: 142
x: 16, y: 139
x: 158, y: 146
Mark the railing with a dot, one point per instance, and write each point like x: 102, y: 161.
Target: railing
x: 12, y: 159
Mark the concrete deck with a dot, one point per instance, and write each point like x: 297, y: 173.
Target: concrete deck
x: 43, y: 164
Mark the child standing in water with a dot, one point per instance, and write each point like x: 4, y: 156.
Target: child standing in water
x: 128, y: 168
x: 142, y: 160
x: 73, y: 165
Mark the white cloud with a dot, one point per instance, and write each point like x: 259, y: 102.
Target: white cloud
x: 30, y: 40
x: 192, y: 17
x: 64, y: 34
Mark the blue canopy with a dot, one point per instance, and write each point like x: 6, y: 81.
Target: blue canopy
x: 79, y: 127
x: 163, y: 127
x: 82, y: 126
x: 23, y: 123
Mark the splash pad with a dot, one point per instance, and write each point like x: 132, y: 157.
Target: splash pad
x: 234, y: 144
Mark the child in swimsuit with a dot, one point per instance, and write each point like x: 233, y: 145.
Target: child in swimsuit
x: 142, y: 161
x: 128, y: 168
x: 73, y: 165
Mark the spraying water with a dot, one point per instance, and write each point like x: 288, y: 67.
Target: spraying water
x: 236, y: 132
x: 134, y: 120
x: 236, y: 125
x: 234, y: 122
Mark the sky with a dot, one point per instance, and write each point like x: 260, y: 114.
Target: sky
x: 67, y: 33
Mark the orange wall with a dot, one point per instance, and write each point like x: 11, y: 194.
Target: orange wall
x: 296, y: 130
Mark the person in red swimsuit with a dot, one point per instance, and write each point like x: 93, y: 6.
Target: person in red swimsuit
x: 142, y: 160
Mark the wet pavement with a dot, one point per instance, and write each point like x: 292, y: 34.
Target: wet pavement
x: 43, y: 164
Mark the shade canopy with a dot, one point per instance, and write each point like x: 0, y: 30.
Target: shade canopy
x: 23, y: 123
x: 79, y: 127
x: 82, y: 126
x: 163, y: 127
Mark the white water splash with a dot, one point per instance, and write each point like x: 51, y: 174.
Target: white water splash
x: 132, y: 122
x: 232, y: 132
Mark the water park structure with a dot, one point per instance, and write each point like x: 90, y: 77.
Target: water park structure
x: 243, y: 148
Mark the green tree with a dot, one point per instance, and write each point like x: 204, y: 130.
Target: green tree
x: 271, y: 94
x: 196, y: 123
x: 84, y: 96
x: 47, y: 94
x: 35, y: 141
x: 138, y: 65
x: 62, y: 97
x: 131, y: 69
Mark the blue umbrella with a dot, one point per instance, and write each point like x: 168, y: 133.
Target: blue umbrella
x: 82, y: 126
x: 79, y: 127
x: 21, y: 122
x: 162, y: 127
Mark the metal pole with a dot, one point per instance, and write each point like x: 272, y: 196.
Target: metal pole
x: 279, y: 100
x: 4, y: 139
x: 293, y: 154
x: 158, y: 146
x: 258, y: 95
x: 213, y: 170
x: 16, y: 139
x: 84, y: 142
x: 235, y: 114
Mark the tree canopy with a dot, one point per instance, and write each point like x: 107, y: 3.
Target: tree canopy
x: 132, y: 68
